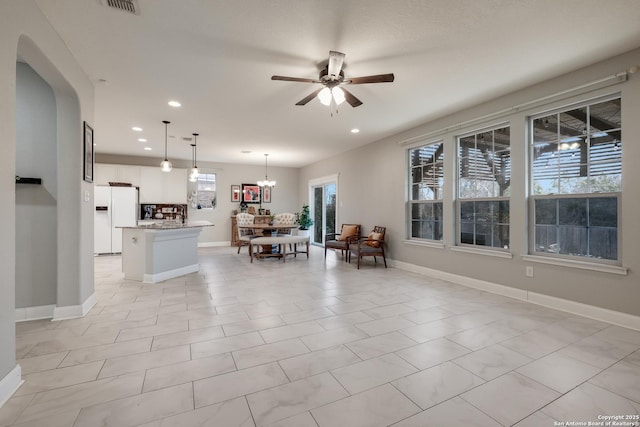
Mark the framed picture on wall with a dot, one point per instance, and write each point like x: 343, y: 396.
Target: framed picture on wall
x: 235, y: 193
x: 88, y: 153
x: 250, y: 193
x: 266, y: 194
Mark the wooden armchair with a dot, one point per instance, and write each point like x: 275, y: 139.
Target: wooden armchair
x: 348, y: 233
x: 372, y: 245
x: 244, y: 234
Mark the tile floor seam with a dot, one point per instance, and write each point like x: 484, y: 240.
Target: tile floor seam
x: 612, y: 392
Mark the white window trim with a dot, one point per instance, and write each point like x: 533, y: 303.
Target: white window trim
x: 470, y: 249
x: 591, y: 264
x: 416, y: 241
x: 603, y: 268
x: 467, y: 247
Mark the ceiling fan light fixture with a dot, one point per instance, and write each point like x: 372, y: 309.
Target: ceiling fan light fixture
x: 325, y: 96
x: 338, y: 95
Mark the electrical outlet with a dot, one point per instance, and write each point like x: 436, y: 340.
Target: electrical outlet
x: 528, y: 271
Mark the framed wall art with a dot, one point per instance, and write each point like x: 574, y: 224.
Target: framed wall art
x: 235, y: 193
x: 88, y: 153
x: 250, y: 193
x: 266, y: 194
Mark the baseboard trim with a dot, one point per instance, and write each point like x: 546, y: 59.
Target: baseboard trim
x: 598, y: 313
x: 75, y: 311
x: 213, y: 244
x: 166, y: 275
x: 35, y: 313
x: 10, y: 383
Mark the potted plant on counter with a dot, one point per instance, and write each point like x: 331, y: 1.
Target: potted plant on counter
x: 304, y: 221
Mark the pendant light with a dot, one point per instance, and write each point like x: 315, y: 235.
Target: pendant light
x: 165, y: 166
x: 266, y: 182
x: 194, y: 172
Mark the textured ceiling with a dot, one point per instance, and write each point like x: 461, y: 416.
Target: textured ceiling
x: 217, y: 56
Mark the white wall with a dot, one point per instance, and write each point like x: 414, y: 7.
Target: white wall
x: 284, y: 197
x: 25, y: 35
x: 36, y: 210
x: 372, y: 191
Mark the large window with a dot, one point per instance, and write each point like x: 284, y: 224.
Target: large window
x: 576, y: 164
x: 425, y: 189
x: 484, y: 183
x: 206, y: 191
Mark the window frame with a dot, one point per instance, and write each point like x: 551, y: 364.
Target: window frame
x: 532, y: 198
x: 412, y: 203
x: 460, y: 200
x: 215, y: 192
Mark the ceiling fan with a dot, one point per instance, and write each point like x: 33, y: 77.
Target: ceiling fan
x: 332, y: 79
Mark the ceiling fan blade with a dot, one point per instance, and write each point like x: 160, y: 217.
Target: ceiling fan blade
x: 309, y: 97
x: 378, y: 78
x: 335, y: 63
x: 294, y: 79
x: 351, y: 99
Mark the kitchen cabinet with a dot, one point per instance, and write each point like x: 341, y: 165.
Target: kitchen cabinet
x: 105, y: 173
x: 155, y: 186
x: 162, y: 187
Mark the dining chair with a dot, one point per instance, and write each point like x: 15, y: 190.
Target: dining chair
x: 244, y: 234
x: 284, y: 219
x: 372, y: 245
x: 348, y: 233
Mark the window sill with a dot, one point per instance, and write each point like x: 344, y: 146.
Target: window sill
x: 485, y: 252
x: 425, y: 243
x: 603, y: 268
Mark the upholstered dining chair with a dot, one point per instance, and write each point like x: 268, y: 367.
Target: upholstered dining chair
x: 372, y: 245
x: 284, y: 219
x: 244, y: 234
x: 341, y: 241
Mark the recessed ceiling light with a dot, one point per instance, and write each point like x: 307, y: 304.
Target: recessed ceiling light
x: 355, y: 130
x: 174, y: 103
x: 142, y: 139
x: 137, y: 129
x: 147, y: 148
x: 245, y: 151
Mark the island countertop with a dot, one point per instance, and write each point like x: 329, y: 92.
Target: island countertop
x: 170, y: 225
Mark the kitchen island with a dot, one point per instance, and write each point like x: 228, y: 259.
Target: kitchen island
x: 152, y: 253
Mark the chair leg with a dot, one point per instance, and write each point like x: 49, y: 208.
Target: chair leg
x: 239, y: 246
x: 250, y: 249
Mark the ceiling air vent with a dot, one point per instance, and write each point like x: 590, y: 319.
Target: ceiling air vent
x: 130, y: 6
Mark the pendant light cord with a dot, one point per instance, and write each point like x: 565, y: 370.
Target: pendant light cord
x: 166, y: 122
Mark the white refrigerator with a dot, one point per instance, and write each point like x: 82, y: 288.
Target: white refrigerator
x: 114, y: 207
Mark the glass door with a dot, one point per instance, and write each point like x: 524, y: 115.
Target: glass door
x: 324, y: 211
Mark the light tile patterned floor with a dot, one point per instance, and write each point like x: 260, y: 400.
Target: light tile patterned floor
x: 309, y: 343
